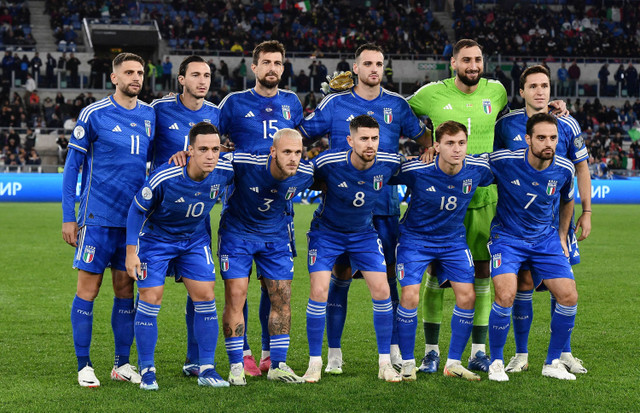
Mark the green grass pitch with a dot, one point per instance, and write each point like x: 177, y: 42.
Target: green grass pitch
x: 38, y: 367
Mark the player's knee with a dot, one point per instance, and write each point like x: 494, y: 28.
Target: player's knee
x: 568, y: 298
x: 319, y: 292
x: 410, y: 298
x: 504, y: 297
x: 466, y: 299
x: 379, y: 291
x: 525, y: 282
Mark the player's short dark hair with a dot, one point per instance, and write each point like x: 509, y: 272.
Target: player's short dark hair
x: 201, y: 128
x: 540, y: 118
x: 363, y: 121
x: 463, y: 44
x: 368, y: 46
x: 268, y: 46
x: 533, y: 70
x: 182, y: 71
x: 450, y: 127
x: 126, y: 57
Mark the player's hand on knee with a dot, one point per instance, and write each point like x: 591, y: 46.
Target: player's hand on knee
x: 584, y: 223
x: 428, y: 155
x: 179, y: 158
x: 70, y: 233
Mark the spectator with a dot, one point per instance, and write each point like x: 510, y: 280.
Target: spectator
x: 500, y: 76
x: 574, y: 78
x: 50, y: 80
x: 321, y: 74
x: 388, y: 72
x: 603, y: 76
x: 563, y: 80
x: 7, y: 65
x: 23, y: 68
x: 287, y: 74
x: 62, y: 65
x: 36, y: 64
x: 167, y: 68
x: 631, y: 76
x: 224, y: 71
x: 619, y: 78
x: 72, y: 66
x: 302, y: 82
x: 343, y: 66
x: 33, y: 158
x: 516, y: 71
x: 30, y: 86
x: 447, y: 52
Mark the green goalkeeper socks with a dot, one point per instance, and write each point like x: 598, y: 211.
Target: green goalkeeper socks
x: 432, y: 296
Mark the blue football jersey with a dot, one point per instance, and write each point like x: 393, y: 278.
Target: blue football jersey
x: 250, y: 120
x: 116, y: 143
x: 511, y: 128
x: 350, y: 196
x: 175, y: 205
x: 173, y: 122
x: 526, y: 196
x: 391, y: 110
x: 439, y: 201
x: 256, y: 208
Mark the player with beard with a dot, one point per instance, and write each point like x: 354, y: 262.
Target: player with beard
x: 111, y: 142
x: 175, y: 116
x: 475, y: 102
x: 395, y: 119
x: 250, y: 119
x: 531, y: 183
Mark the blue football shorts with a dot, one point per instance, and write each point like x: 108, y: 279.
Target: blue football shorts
x: 544, y: 258
x: 189, y: 258
x: 364, y: 249
x: 454, y: 262
x: 101, y: 247
x: 236, y: 254
x: 388, y: 229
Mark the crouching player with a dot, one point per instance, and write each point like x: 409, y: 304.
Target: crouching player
x: 166, y: 224
x: 530, y: 182
x: 343, y: 224
x: 432, y: 231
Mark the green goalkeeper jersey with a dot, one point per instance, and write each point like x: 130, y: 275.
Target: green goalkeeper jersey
x: 442, y: 101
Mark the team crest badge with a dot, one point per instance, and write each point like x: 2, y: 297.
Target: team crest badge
x: 400, y: 271
x: 496, y: 260
x: 486, y: 106
x: 291, y: 192
x: 89, y: 253
x: 466, y: 186
x: 215, y: 190
x: 286, y: 112
x: 224, y: 262
x: 388, y: 115
x: 147, y: 127
x: 313, y: 255
x: 551, y: 187
x: 377, y: 182
x: 142, y: 275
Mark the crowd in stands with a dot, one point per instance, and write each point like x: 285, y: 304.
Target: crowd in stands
x: 536, y: 30
x: 15, y: 24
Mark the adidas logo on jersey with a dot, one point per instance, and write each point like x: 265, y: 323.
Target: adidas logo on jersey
x: 576, y: 254
x: 517, y: 138
x: 448, y: 107
x: 431, y: 189
x: 249, y: 115
x: 179, y: 200
x: 116, y: 129
x: 174, y: 126
x: 255, y: 189
x: 343, y: 185
x: 516, y: 182
x: 350, y: 118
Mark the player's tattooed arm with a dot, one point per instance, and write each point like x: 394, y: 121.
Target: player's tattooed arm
x: 280, y: 296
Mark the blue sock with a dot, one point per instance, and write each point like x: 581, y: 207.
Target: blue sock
x: 407, y: 321
x: 522, y: 317
x: 316, y: 312
x: 245, y: 314
x: 192, y: 343
x: 122, y: 316
x: 234, y: 349
x: 146, y: 329
x: 205, y: 329
x: 499, y: 322
x: 279, y: 346
x: 562, y: 323
x: 383, y: 324
x: 553, y: 302
x: 263, y: 313
x: 81, y: 324
x: 336, y: 310
x: 395, y: 301
x: 461, y: 326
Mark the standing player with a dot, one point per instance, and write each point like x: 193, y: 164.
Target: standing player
x: 253, y: 227
x: 535, y: 89
x: 395, y: 119
x: 110, y: 142
x: 476, y: 103
x: 432, y: 230
x: 166, y: 224
x: 343, y: 224
x: 175, y: 115
x: 250, y: 119
x: 530, y: 182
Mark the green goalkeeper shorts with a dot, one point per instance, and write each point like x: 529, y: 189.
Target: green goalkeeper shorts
x: 478, y: 224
